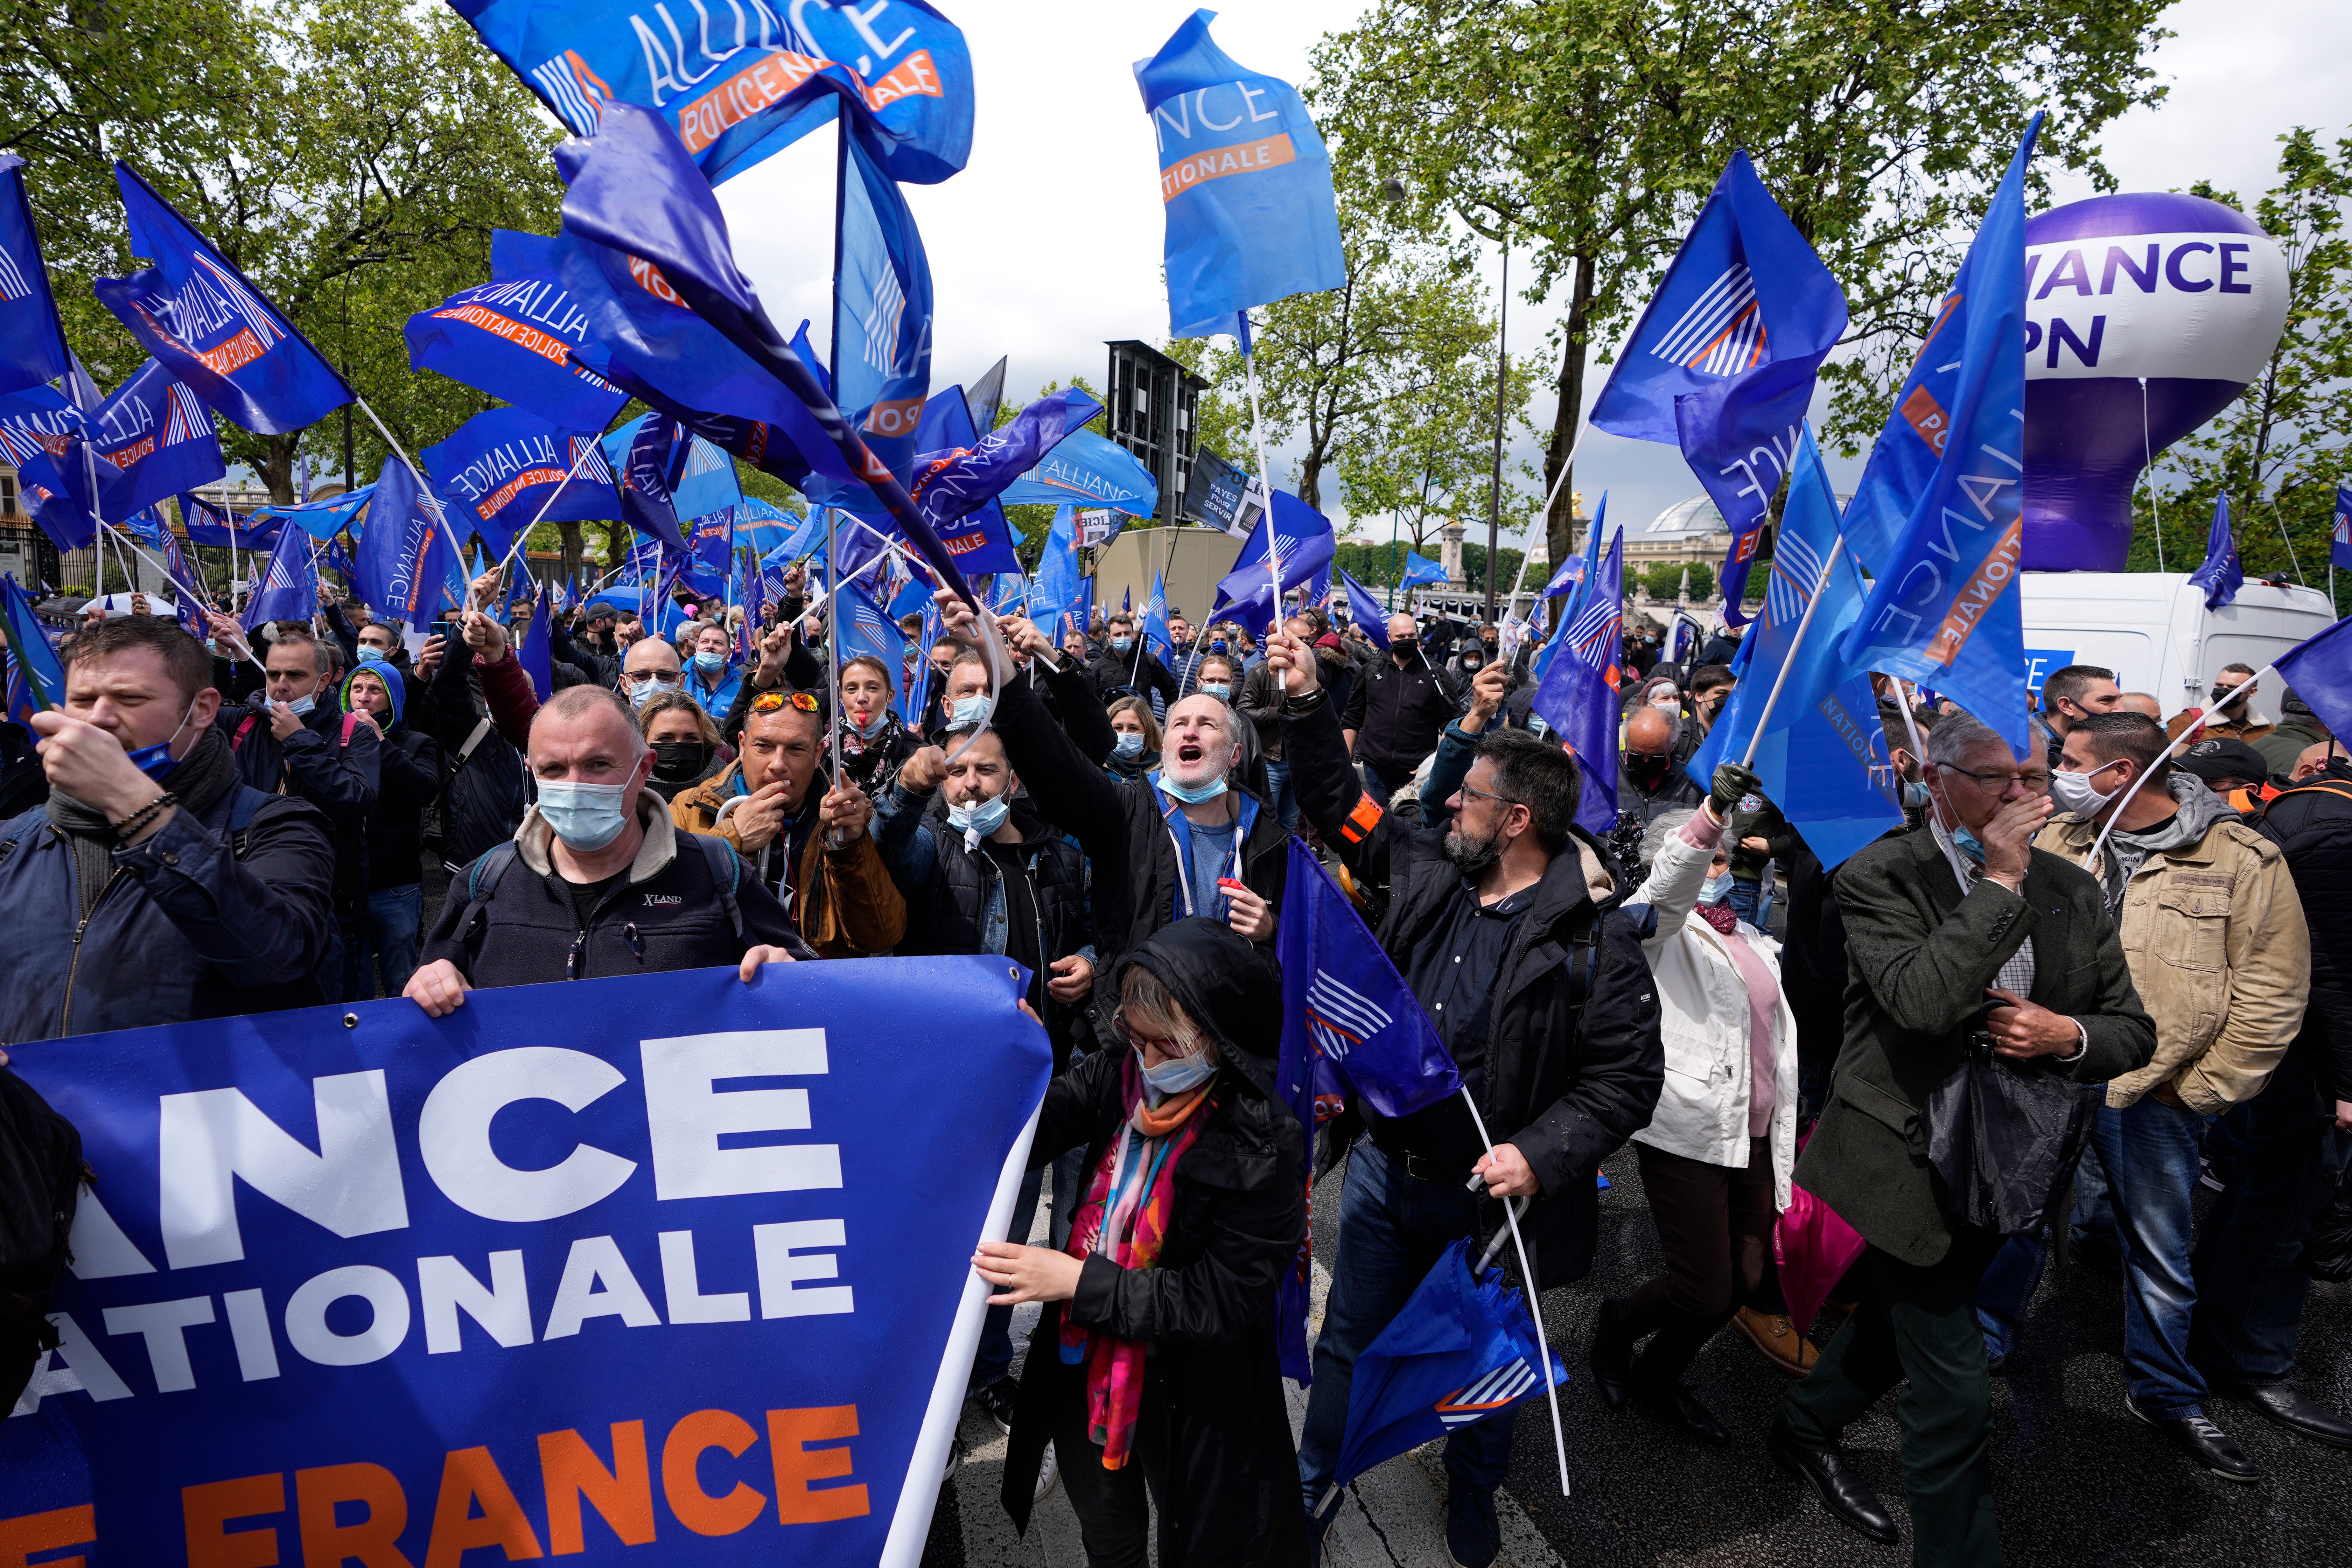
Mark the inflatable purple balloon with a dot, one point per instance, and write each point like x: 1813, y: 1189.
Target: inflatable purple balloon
x: 2145, y: 315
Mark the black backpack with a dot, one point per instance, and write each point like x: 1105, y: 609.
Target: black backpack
x: 41, y: 1173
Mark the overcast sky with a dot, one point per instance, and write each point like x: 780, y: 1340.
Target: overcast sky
x: 1049, y: 242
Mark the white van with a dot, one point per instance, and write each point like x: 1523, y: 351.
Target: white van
x: 2152, y: 628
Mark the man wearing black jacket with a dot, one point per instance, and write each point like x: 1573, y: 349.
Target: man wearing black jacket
x: 408, y: 780
x: 296, y: 739
x: 1397, y: 712
x: 1127, y: 664
x: 1501, y: 926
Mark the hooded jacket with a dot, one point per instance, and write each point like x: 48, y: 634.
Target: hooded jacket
x: 1206, y: 1308
x: 1566, y: 1080
x: 408, y: 775
x: 2214, y: 934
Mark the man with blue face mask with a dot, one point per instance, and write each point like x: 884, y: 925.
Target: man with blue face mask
x: 295, y: 739
x: 1129, y: 663
x: 597, y: 881
x: 155, y: 886
x: 710, y: 679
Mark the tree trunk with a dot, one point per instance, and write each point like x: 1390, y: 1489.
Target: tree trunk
x: 572, y: 551
x: 1559, y: 523
x: 276, y: 467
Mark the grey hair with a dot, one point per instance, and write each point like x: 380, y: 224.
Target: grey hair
x: 1961, y: 735
x: 1662, y: 829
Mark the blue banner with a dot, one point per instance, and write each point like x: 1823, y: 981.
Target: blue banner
x: 404, y: 559
x: 1723, y: 361
x: 1365, y: 611
x: 1245, y: 181
x: 499, y: 468
x: 159, y: 436
x: 1086, y: 469
x: 321, y: 520
x: 514, y: 337
x: 355, y: 1283
x: 766, y: 77
x: 211, y: 328
x: 289, y: 585
x: 957, y: 489
x: 881, y: 311
x: 32, y: 345
x: 1944, y: 610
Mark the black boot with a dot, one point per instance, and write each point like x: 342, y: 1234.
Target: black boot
x: 1613, y: 1355
x: 1842, y: 1491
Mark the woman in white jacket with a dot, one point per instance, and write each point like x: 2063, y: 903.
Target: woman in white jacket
x: 1715, y: 1157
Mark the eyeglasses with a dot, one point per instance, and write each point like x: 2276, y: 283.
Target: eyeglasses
x: 639, y: 676
x: 775, y: 702
x: 1484, y: 795
x: 2033, y: 782
x: 1165, y: 1045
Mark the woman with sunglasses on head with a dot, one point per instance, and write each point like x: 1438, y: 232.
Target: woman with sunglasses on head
x: 1155, y: 1366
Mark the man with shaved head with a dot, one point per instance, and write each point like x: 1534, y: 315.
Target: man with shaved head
x: 596, y: 882
x: 1648, y: 783
x: 1398, y: 711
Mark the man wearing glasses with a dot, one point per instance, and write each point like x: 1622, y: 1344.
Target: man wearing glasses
x: 1954, y: 932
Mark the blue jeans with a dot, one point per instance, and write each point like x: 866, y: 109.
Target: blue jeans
x: 2249, y: 1294
x: 1746, y: 898
x: 1384, y: 783
x: 2150, y: 1152
x: 393, y: 915
x: 2007, y: 1285
x: 1393, y: 1230
x: 1286, y: 799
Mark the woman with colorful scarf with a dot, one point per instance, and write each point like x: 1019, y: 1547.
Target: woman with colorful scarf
x: 1155, y: 1363
x: 1717, y: 1156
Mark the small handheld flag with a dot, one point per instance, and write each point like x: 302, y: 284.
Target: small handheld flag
x: 1578, y: 697
x: 2221, y: 574
x: 32, y: 345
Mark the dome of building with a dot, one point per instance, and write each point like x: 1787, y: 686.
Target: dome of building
x: 1696, y: 517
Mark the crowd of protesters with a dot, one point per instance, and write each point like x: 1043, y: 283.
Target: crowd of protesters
x: 2144, y: 915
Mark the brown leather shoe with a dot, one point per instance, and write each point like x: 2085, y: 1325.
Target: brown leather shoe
x: 1778, y: 1338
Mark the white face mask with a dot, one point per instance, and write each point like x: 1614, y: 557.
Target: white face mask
x: 2073, y: 791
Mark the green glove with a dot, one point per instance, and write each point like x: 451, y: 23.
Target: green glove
x: 1733, y: 783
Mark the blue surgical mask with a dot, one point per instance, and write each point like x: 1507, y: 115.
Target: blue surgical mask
x: 1176, y: 1075
x: 586, y: 816
x: 1121, y: 645
x: 1221, y: 689
x: 1914, y: 793
x: 1193, y: 794
x: 867, y: 728
x: 371, y: 653
x: 1969, y: 843
x: 302, y: 705
x: 645, y: 691
x: 966, y: 712
x: 156, y: 760
x: 1129, y: 745
x: 981, y: 816
x: 1715, y: 889
x: 710, y: 663
x: 1218, y: 646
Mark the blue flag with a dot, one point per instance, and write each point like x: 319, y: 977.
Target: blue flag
x: 646, y: 503
x: 636, y: 200
x: 514, y: 337
x: 1460, y: 1350
x: 159, y: 436
x: 949, y: 424
x: 911, y: 694
x: 1245, y: 181
x: 707, y: 482
x: 1367, y: 611
x: 2320, y: 671
x: 533, y: 649
x: 712, y: 546
x: 32, y: 345
x: 1724, y: 359
x: 881, y: 311
x: 1944, y: 610
x: 760, y: 526
x: 2220, y: 574
x: 405, y: 560
x: 1578, y: 697
x: 640, y: 1242
x: 289, y: 585
x: 956, y: 489
x: 1246, y: 595
x: 37, y: 680
x: 1060, y: 592
x: 2339, y: 538
x: 218, y: 528
x: 499, y: 468
x: 1155, y: 635
x: 321, y: 520
x: 211, y: 328
x: 1823, y: 757
x: 766, y: 77
x: 865, y: 629
x: 1419, y: 569
x: 1086, y: 469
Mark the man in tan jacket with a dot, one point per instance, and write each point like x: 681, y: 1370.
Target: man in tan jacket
x: 2213, y: 931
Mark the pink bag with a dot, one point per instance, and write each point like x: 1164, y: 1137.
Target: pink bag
x: 1814, y: 1248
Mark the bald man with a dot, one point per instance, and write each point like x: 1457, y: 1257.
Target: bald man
x: 1397, y: 712
x: 1648, y: 783
x: 2141, y: 702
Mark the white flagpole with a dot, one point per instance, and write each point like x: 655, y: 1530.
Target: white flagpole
x: 1527, y: 1279
x: 1265, y: 483
x: 544, y: 507
x: 424, y: 486
x: 2187, y: 737
x: 1820, y: 586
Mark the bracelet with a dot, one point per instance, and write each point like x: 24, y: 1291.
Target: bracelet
x: 145, y: 815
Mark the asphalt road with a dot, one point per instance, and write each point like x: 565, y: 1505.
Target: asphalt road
x: 2078, y: 1483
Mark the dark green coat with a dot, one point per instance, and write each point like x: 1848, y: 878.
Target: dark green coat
x: 1919, y: 957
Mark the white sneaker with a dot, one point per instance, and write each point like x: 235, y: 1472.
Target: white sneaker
x: 1049, y: 1471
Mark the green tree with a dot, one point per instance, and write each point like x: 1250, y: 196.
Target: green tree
x: 2277, y: 451
x: 1589, y: 131
x: 352, y: 157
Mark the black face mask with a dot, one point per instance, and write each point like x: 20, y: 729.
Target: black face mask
x: 680, y: 759
x: 1403, y: 654
x: 1647, y: 768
